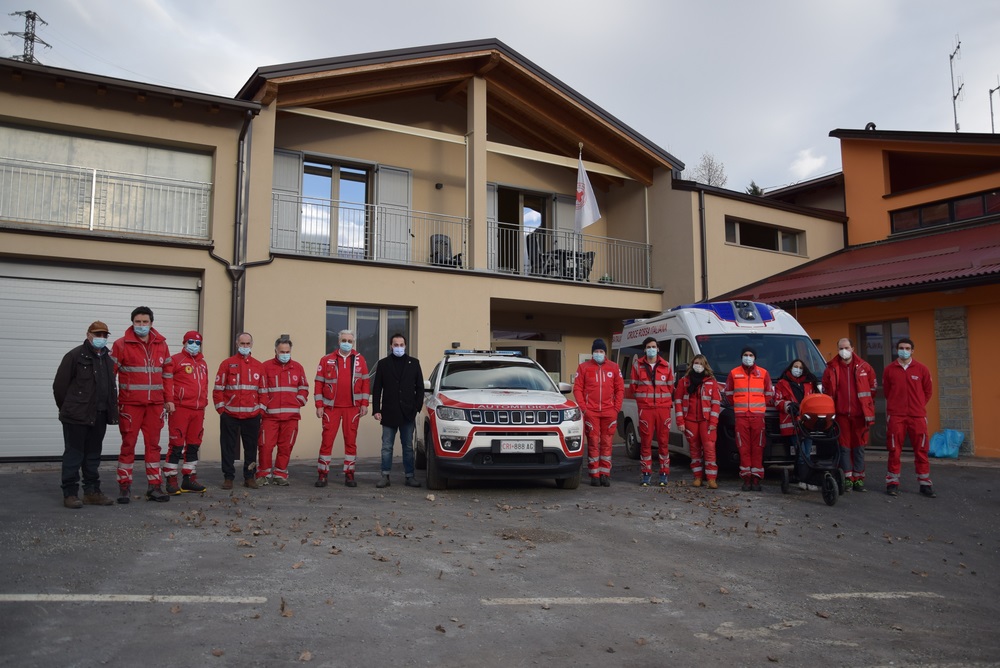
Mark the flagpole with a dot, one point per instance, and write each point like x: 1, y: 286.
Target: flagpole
x: 579, y: 233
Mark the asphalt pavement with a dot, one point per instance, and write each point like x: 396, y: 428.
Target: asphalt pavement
x: 494, y: 574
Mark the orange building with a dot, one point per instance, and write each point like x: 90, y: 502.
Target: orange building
x: 922, y: 261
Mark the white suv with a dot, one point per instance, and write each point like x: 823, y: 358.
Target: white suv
x: 490, y: 414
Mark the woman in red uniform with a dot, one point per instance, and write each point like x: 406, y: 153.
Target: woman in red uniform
x: 697, y: 401
x: 796, y: 382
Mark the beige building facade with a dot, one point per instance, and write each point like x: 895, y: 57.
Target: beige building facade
x: 425, y: 191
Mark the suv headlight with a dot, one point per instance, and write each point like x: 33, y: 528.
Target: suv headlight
x: 572, y: 414
x: 447, y: 413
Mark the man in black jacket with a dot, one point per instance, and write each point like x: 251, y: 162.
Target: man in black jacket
x: 85, y: 392
x: 397, y: 397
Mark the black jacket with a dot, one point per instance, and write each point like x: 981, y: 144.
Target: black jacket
x: 76, y: 384
x: 398, y: 390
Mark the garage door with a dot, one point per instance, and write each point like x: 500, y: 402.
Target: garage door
x: 45, y: 312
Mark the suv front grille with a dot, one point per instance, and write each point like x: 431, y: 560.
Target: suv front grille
x: 514, y: 417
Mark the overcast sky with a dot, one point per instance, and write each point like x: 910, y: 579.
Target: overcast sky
x: 759, y: 84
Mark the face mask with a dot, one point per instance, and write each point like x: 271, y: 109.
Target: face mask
x: 244, y: 350
x: 99, y: 342
x: 748, y: 360
x: 599, y: 358
x: 651, y: 353
x: 284, y: 358
x: 796, y: 372
x: 346, y: 347
x: 192, y: 348
x: 904, y: 354
x: 399, y: 351
x: 141, y: 330
x: 697, y: 368
x: 845, y: 354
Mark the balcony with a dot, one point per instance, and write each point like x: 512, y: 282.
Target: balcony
x: 95, y: 200
x: 314, y: 227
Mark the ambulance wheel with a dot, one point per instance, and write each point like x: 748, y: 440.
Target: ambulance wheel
x: 434, y: 478
x: 829, y: 489
x: 631, y: 441
x: 784, y: 481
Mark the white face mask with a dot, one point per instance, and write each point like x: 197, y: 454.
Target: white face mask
x: 243, y: 350
x: 697, y: 368
x: 796, y: 371
x: 748, y: 360
x: 845, y: 354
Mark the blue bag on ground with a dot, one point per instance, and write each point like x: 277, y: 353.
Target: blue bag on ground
x: 946, y: 444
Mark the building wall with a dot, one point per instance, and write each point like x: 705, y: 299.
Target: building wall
x: 866, y: 183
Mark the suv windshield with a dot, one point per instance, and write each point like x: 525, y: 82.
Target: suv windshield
x: 774, y: 352
x: 494, y: 375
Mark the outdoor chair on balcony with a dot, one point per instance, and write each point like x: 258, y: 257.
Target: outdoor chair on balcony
x: 441, y: 255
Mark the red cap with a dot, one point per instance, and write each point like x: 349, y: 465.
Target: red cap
x: 192, y: 335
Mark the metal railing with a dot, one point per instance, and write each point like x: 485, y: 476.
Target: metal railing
x: 313, y: 226
x: 564, y: 255
x: 97, y: 200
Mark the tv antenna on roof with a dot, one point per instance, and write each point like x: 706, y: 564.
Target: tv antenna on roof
x: 993, y: 90
x: 961, y: 84
x: 29, y: 36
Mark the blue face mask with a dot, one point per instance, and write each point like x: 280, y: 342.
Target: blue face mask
x: 141, y: 330
x: 346, y: 347
x: 99, y: 342
x: 651, y: 353
x: 244, y: 350
x: 192, y: 348
x: 904, y: 354
x: 284, y: 358
x: 748, y: 360
x: 599, y: 357
x: 399, y: 351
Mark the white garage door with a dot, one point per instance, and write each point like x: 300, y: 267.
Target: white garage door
x: 44, y: 312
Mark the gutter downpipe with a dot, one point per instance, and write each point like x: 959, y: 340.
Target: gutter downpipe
x: 704, y: 245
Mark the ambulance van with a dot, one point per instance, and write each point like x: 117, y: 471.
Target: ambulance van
x: 719, y: 331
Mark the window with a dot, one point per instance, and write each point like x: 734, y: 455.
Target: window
x: 876, y: 342
x: 765, y: 237
x: 373, y: 327
x: 958, y: 210
x: 682, y: 356
x: 338, y: 193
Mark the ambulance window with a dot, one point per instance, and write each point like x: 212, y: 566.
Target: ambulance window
x: 683, y: 352
x: 626, y: 356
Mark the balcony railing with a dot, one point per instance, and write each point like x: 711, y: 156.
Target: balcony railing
x: 314, y: 226
x: 568, y: 256
x: 97, y: 200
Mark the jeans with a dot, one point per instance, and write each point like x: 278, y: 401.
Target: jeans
x: 83, y: 445
x: 405, y: 439
x: 803, y: 448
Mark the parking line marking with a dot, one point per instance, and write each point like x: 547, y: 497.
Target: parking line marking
x: 877, y: 595
x: 572, y: 600
x: 129, y: 598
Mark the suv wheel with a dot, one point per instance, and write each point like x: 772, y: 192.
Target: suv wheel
x: 434, y: 478
x: 572, y: 482
x: 420, y: 454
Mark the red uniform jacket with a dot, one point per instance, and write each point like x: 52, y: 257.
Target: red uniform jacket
x: 190, y: 381
x: 145, y: 370
x: 284, y: 390
x: 784, y: 397
x: 852, y: 387
x: 749, y: 390
x: 704, y: 405
x: 237, y: 386
x: 908, y: 390
x: 652, y: 384
x: 599, y: 388
x: 327, y: 371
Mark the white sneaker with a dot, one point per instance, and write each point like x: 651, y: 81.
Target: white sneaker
x: 813, y: 488
x: 802, y: 486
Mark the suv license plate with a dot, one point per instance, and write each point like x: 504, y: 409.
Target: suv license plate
x: 517, y: 446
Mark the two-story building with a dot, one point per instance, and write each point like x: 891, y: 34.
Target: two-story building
x: 427, y: 191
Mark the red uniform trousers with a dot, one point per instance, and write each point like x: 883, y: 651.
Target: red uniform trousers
x: 750, y: 443
x: 133, y: 418
x: 899, y: 427
x: 333, y: 416
x: 853, y: 439
x: 600, y: 432
x: 185, y: 427
x: 278, y: 434
x: 654, y: 421
x: 701, y: 443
